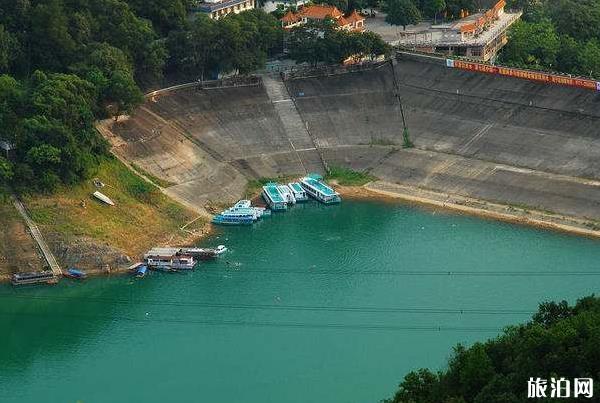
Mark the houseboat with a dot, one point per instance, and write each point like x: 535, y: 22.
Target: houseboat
x: 287, y: 194
x: 273, y: 197
x: 235, y: 217
x: 46, y: 276
x: 315, y: 187
x: 298, y: 191
x: 168, y: 259
x: 204, y: 253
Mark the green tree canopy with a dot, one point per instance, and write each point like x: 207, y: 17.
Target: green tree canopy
x: 402, y: 12
x: 560, y: 339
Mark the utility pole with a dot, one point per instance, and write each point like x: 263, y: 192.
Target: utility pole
x: 406, y: 141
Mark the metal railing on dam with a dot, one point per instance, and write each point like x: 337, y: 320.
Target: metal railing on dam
x: 229, y: 82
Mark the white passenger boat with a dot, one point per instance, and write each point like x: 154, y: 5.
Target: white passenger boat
x: 273, y: 197
x: 298, y: 191
x: 287, y: 194
x: 315, y: 187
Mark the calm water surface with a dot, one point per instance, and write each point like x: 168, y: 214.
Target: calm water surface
x: 320, y: 304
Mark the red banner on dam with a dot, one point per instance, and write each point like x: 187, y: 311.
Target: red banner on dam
x: 525, y: 74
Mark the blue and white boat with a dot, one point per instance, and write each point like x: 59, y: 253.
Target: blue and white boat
x: 298, y: 191
x: 287, y: 194
x: 315, y: 187
x: 141, y: 271
x: 273, y: 197
x: 233, y: 216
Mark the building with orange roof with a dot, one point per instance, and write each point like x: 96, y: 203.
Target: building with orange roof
x: 318, y: 12
x: 478, y: 36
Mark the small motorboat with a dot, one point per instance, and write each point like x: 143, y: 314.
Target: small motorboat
x: 75, y: 273
x: 141, y: 271
x: 220, y: 249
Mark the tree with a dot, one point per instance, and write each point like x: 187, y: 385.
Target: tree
x: 560, y: 339
x: 166, y: 15
x: 532, y: 45
x: 402, y: 12
x: 6, y: 170
x: 434, y: 7
x: 51, y: 43
x: 9, y: 49
x: 588, y: 59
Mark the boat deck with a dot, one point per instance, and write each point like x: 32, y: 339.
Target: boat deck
x: 274, y: 193
x: 321, y: 187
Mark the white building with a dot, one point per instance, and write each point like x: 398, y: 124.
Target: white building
x: 216, y: 9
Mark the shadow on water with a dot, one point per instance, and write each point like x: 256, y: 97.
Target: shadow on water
x: 53, y: 321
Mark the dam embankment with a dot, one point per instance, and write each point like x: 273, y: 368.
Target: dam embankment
x: 506, y: 140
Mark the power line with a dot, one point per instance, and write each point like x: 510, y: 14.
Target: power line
x: 309, y: 308
x: 414, y: 273
x: 261, y: 324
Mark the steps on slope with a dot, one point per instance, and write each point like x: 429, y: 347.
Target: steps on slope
x: 296, y: 131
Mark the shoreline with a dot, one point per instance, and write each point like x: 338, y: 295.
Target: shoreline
x: 474, y: 207
x: 390, y: 192
x: 192, y: 238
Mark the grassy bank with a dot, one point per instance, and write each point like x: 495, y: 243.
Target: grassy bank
x: 18, y: 251
x: 142, y: 216
x: 349, y: 177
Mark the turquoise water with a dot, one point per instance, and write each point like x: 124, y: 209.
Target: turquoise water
x: 318, y: 304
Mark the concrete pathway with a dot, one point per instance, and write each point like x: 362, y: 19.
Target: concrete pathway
x: 37, y: 236
x: 296, y: 130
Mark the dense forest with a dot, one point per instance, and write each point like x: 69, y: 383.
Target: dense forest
x: 559, y: 341
x: 562, y: 36
x: 66, y: 63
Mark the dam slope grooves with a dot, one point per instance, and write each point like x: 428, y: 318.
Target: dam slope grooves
x: 501, y: 139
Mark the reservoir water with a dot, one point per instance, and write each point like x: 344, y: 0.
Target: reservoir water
x: 319, y: 304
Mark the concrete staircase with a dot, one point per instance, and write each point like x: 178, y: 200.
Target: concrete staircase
x: 37, y: 236
x: 297, y: 132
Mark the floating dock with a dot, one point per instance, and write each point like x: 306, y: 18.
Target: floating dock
x: 168, y: 259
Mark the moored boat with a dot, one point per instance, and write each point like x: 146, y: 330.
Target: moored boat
x: 298, y: 192
x: 239, y: 216
x: 75, y: 273
x: 168, y: 258
x: 287, y: 194
x: 315, y: 187
x: 141, y: 271
x: 273, y: 197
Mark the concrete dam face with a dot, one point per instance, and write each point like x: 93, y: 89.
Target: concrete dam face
x: 500, y: 139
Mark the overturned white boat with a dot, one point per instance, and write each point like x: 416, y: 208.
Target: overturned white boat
x: 103, y: 198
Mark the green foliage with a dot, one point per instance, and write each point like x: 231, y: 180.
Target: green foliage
x: 238, y: 42
x: 402, y: 12
x: 9, y: 49
x: 556, y: 35
x: 560, y: 339
x: 6, y: 170
x: 321, y: 42
x: 348, y: 177
x: 533, y: 44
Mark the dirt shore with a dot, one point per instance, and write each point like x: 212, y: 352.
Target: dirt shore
x: 515, y: 214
